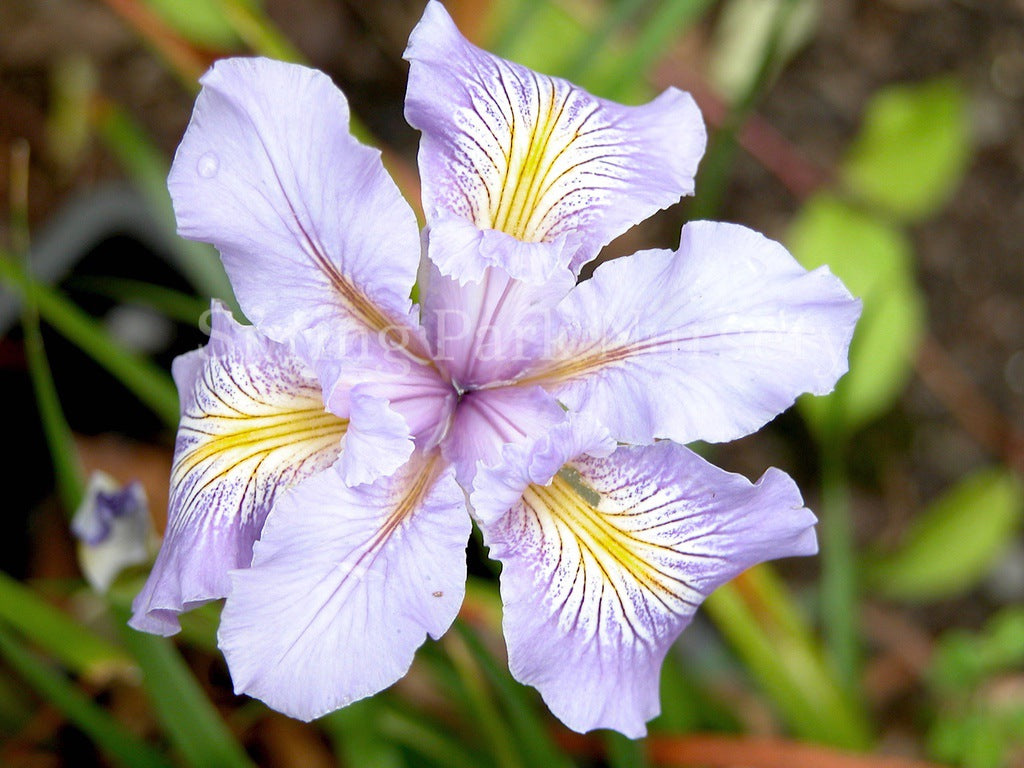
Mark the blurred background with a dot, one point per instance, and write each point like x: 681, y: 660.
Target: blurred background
x: 884, y: 138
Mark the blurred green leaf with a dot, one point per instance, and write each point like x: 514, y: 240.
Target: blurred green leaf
x: 508, y: 20
x: 525, y: 30
x: 357, y: 739
x: 868, y: 255
x: 175, y: 305
x: 593, y: 50
x: 201, y: 22
x: 881, y: 361
x: 744, y: 31
x: 76, y: 647
x: 483, y: 709
x: 16, y: 707
x: 110, y: 736
x: 596, y: 59
x: 972, y: 740
x: 148, y: 169
x: 781, y: 659
x: 665, y: 25
x: 188, y: 717
x: 63, y: 455
x: 199, y: 626
x: 429, y: 740
x: 623, y: 752
x: 530, y: 734
x: 73, y: 81
x: 253, y: 26
x: 882, y: 354
x: 148, y: 382
x: 912, y: 149
x: 954, y: 542
x: 963, y: 660
x: 679, y: 700
x: 875, y: 261
x: 687, y: 703
x: 60, y: 442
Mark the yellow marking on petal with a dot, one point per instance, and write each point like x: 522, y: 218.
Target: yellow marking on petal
x: 275, y: 441
x: 576, y: 508
x: 303, y: 430
x: 516, y: 208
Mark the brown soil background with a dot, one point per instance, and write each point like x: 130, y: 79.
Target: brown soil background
x: 970, y: 257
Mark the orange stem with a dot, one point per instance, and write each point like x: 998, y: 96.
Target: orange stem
x: 718, y: 751
x: 726, y: 751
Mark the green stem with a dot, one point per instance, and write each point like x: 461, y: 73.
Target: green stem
x: 784, y: 663
x: 622, y: 11
x: 838, y: 560
x: 623, y: 752
x: 670, y: 19
x: 485, y: 709
x: 356, y: 737
x: 145, y: 379
x: 716, y: 167
x: 63, y: 452
x: 532, y: 737
x: 426, y: 739
x: 189, y: 719
x: 258, y: 32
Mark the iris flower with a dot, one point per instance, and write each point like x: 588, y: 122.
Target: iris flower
x: 331, y: 455
x: 113, y: 529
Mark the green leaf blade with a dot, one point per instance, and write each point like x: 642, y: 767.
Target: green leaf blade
x: 109, y: 735
x: 912, y: 150
x: 73, y: 645
x: 954, y: 542
x: 187, y: 715
x: 875, y: 261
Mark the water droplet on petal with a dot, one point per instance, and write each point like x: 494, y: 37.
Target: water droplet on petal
x: 208, y: 165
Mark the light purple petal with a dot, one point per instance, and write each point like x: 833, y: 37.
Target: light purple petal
x: 468, y: 251
x: 253, y: 423
x: 315, y: 236
x: 344, y: 587
x: 376, y: 443
x: 415, y: 389
x: 488, y: 331
x: 487, y: 420
x: 534, y: 156
x: 606, y: 565
x: 707, y: 343
x: 498, y: 486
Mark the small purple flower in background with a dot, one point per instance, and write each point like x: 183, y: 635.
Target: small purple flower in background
x: 113, y: 529
x: 326, y: 453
